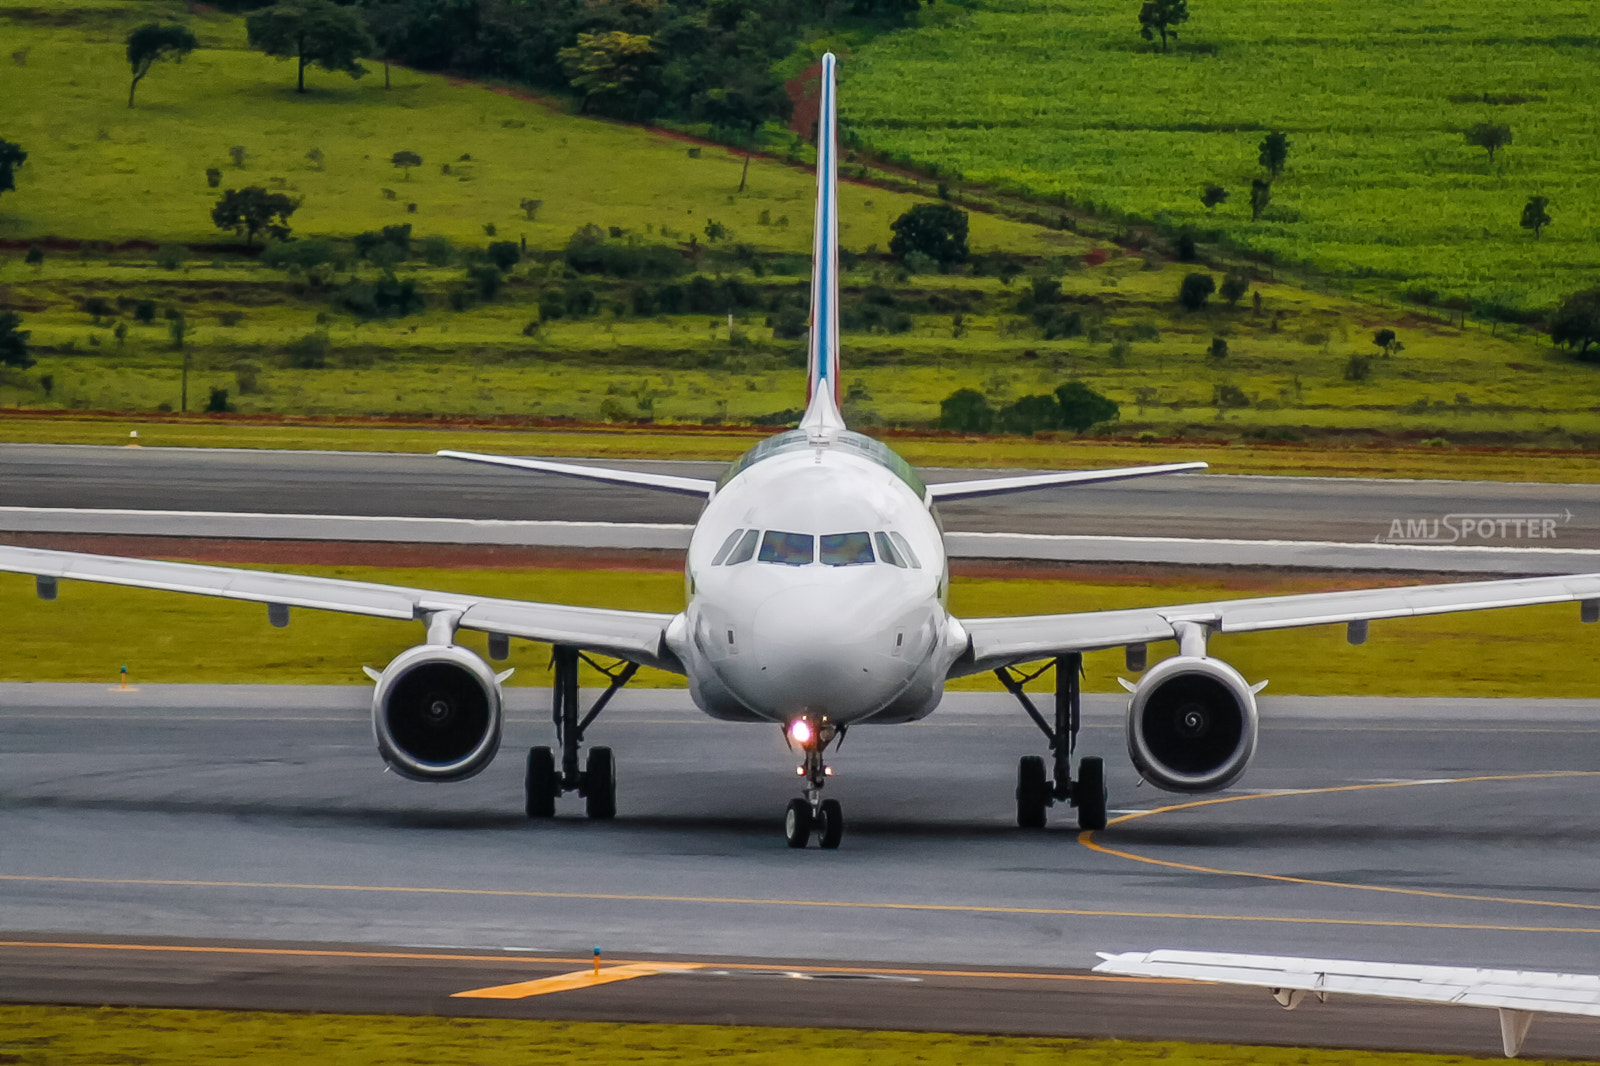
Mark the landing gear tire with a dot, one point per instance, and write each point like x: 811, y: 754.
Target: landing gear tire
x: 798, y: 823
x: 831, y: 831
x: 600, y: 784
x: 540, y: 783
x: 1033, y: 792
x: 1089, y: 791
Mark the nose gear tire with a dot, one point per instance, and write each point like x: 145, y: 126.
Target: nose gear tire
x: 797, y: 823
x: 831, y: 829
x: 540, y: 783
x: 1089, y: 793
x: 600, y: 784
x: 1033, y: 792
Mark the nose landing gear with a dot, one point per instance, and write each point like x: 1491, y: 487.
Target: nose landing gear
x: 1035, y: 791
x: 813, y: 814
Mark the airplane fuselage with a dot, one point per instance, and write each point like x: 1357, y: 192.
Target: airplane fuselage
x: 817, y: 580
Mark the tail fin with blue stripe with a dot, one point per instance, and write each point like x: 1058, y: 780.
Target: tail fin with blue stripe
x: 822, y: 385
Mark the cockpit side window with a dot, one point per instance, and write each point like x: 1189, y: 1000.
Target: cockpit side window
x: 789, y: 549
x: 727, y: 546
x: 746, y: 548
x: 846, y: 549
x: 887, y: 553
x: 905, y: 550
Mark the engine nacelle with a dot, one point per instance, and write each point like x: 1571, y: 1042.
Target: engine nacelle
x: 437, y: 713
x: 1192, y: 725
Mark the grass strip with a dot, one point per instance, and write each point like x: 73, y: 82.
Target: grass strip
x: 1473, y: 464
x: 69, y: 1036
x: 1529, y: 652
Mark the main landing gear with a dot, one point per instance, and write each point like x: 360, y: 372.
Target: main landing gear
x: 1035, y: 791
x: 813, y: 814
x: 597, y: 782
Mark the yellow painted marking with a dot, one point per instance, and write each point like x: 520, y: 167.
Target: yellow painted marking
x: 523, y: 960
x: 1086, y: 838
x: 958, y: 908
x: 567, y: 982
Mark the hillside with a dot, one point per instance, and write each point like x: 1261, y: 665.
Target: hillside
x: 1381, y: 187
x: 118, y: 203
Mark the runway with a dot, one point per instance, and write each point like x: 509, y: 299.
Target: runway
x: 423, y: 486
x: 1441, y: 831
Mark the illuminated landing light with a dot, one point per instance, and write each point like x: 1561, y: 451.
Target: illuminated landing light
x: 800, y: 731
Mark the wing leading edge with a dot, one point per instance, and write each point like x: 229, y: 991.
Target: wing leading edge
x: 684, y: 486
x: 995, y: 642
x: 1516, y: 994
x: 632, y: 635
x: 995, y: 486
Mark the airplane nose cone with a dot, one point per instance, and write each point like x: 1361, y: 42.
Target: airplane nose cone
x: 809, y: 616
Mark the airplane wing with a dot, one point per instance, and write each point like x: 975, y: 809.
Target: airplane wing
x: 1516, y: 994
x: 684, y: 486
x: 995, y: 642
x: 995, y: 486
x: 631, y: 635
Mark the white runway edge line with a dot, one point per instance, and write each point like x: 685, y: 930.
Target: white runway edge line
x: 635, y: 536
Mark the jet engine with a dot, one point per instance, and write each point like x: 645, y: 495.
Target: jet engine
x: 437, y: 713
x: 1192, y: 724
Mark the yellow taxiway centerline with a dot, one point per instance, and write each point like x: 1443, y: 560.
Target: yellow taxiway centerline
x: 566, y: 982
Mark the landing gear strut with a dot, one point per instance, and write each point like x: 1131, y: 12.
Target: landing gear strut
x: 1035, y: 791
x: 597, y: 782
x: 813, y: 814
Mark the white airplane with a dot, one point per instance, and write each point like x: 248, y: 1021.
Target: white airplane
x: 817, y: 585
x: 1517, y: 995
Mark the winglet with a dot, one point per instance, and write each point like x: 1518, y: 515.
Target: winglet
x: 822, y: 382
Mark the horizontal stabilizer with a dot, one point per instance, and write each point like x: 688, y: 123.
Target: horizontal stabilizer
x: 684, y: 486
x: 1516, y: 994
x: 996, y: 486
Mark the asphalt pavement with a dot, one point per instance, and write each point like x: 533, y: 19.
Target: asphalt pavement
x: 424, y: 486
x: 259, y: 817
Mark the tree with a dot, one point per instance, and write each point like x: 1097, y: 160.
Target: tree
x: 1577, y: 323
x: 1214, y: 195
x: 742, y: 106
x: 151, y: 44
x: 1534, y: 215
x: 1195, y: 291
x: 938, y: 231
x: 966, y: 411
x: 312, y: 32
x: 405, y: 161
x: 1163, y: 17
x: 1490, y: 136
x: 1260, y: 197
x: 14, y: 341
x: 11, y: 157
x: 391, y: 24
x: 254, y: 210
x: 1030, y: 415
x: 1234, y: 286
x: 1275, y: 152
x: 1387, y: 341
x: 1082, y: 407
x: 607, y: 67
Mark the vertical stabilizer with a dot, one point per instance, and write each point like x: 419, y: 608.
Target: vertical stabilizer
x: 822, y: 385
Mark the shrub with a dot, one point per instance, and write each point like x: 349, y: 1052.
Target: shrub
x: 1358, y: 368
x: 97, y: 307
x: 304, y: 254
x: 438, y: 251
x: 171, y: 256
x: 966, y: 411
x: 247, y: 376
x: 1082, y: 407
x: 1219, y: 348
x: 218, y: 403
x: 486, y: 278
x: 1224, y: 397
x: 309, y: 352
x: 1186, y: 249
x: 1577, y: 323
x: 938, y: 231
x: 504, y: 254
x: 789, y: 324
x: 1030, y: 415
x: 1234, y: 286
x: 213, y: 177
x: 145, y: 311
x: 1195, y: 291
x: 552, y: 305
x: 35, y: 256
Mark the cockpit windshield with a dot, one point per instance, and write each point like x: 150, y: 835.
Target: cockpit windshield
x: 790, y: 549
x: 846, y: 549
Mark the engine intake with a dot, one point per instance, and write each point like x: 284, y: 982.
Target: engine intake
x: 437, y: 713
x: 1192, y: 725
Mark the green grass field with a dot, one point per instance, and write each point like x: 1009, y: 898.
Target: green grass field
x: 80, y: 1036
x: 93, y: 630
x: 1066, y: 99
